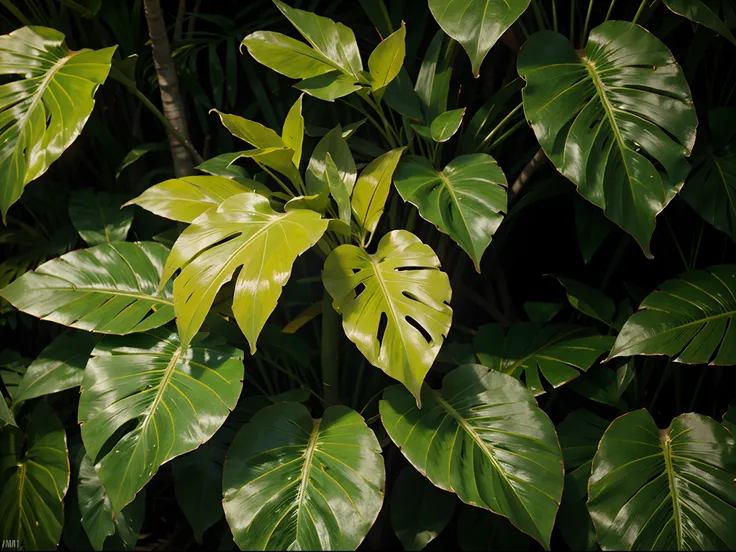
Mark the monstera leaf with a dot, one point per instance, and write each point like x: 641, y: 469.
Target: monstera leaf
x: 178, y: 398
x: 483, y: 437
x: 476, y: 24
x: 109, y: 288
x: 98, y: 218
x: 242, y: 231
x: 395, y: 304
x: 294, y: 483
x: 618, y: 120
x: 43, y: 113
x: 559, y: 351
x: 34, y: 477
x: 692, y: 317
x: 705, y: 12
x: 670, y: 489
x: 465, y: 200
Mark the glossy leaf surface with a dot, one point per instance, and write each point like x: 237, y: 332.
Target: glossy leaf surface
x: 294, y: 483
x: 98, y: 216
x: 372, y: 189
x: 704, y: 12
x: 321, y: 182
x: 618, y: 121
x: 483, y: 437
x: 387, y: 59
x: 109, y: 288
x: 287, y: 56
x: 446, y: 124
x: 401, y: 287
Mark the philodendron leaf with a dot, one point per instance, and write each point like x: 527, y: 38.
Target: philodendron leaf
x: 559, y: 351
x: 670, y: 489
x: 445, y: 125
x: 618, y: 121
x: 318, y: 180
x: 177, y: 398
x: 588, y: 300
x: 58, y: 367
x: 483, y: 437
x: 242, y: 229
x: 433, y: 81
x: 465, y: 200
x: 98, y: 216
x: 387, y: 59
x: 395, y: 304
x: 692, y: 318
x: 287, y: 56
x: 605, y: 384
x: 224, y: 165
x: 293, y: 131
x: 43, y: 113
x: 419, y: 510
x: 704, y: 12
x: 294, y: 483
x: 34, y: 477
x: 109, y: 288
x: 476, y: 24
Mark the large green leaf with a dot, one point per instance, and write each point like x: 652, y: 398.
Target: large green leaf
x: 465, y: 200
x: 43, y: 113
x: 670, y: 489
x: 705, y: 12
x: 711, y: 187
x: 483, y: 437
x: 156, y: 401
x: 244, y: 231
x: 618, y: 121
x: 476, y: 24
x: 395, y: 304
x: 692, y: 317
x: 109, y: 288
x: 559, y: 351
x: 98, y: 216
x: 34, y: 477
x: 294, y: 483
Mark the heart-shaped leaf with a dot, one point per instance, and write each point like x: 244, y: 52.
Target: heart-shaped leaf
x: 466, y: 200
x: 98, y: 216
x: 705, y: 12
x: 395, y: 304
x: 243, y: 228
x: 157, y: 401
x: 670, y: 489
x: 483, y: 437
x: 294, y: 483
x: 618, y: 120
x: 109, y: 288
x: 692, y: 317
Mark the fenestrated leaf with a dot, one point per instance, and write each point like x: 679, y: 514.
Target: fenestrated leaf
x: 287, y: 56
x: 385, y: 298
x: 692, y: 318
x: 34, y: 477
x: 476, y: 24
x: 589, y: 300
x: 618, y: 121
x: 109, y: 288
x: 177, y: 399
x: 58, y: 367
x: 43, y: 113
x: 479, y: 530
x: 670, y: 489
x: 483, y: 437
x: 294, y: 483
x: 98, y: 216
x: 293, y: 131
x: 243, y: 231
x: 705, y: 12
x: 559, y: 351
x: 186, y: 198
x: 387, y: 59
x: 466, y: 200
x: 445, y: 125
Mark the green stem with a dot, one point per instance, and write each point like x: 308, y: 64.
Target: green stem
x: 572, y: 20
x: 277, y: 179
x: 16, y: 12
x: 505, y: 135
x: 331, y: 329
x: 610, y: 9
x: 500, y: 125
x: 554, y: 16
x: 585, y: 26
x: 639, y: 11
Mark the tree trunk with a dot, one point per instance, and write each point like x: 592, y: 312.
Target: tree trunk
x: 168, y: 82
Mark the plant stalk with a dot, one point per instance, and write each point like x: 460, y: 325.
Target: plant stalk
x: 329, y: 355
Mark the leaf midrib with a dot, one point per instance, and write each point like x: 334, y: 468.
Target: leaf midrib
x: 669, y: 468
x: 306, y: 469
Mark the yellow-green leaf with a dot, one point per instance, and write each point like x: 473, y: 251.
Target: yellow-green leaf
x: 293, y: 132
x: 387, y: 59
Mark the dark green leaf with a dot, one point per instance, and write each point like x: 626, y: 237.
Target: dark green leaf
x: 433, y: 81
x: 605, y: 385
x: 589, y: 300
x: 98, y: 216
x: 591, y: 227
x: 542, y: 311
x: 445, y: 125
x: 705, y: 12
x: 579, y: 435
x: 479, y: 530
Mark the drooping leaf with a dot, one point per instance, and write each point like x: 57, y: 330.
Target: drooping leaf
x: 34, y: 477
x: 605, y: 119
x: 486, y: 416
x: 479, y: 530
x: 186, y: 198
x: 419, y: 510
x: 316, y: 177
x: 670, y: 489
x: 559, y: 351
x: 445, y: 125
x: 433, y: 81
x: 589, y: 300
x: 704, y: 12
x: 476, y: 24
x: 394, y: 304
x: 605, y: 384
x: 387, y: 59
x: 293, y: 131
x: 137, y: 152
x: 692, y: 318
x: 109, y: 288
x: 58, y: 367
x: 177, y: 398
x: 294, y: 483
x: 98, y: 216
x: 466, y: 200
x: 44, y: 112
x: 243, y: 228
x: 591, y: 227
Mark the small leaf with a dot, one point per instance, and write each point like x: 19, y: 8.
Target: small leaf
x: 334, y: 144
x: 446, y: 124
x: 330, y: 86
x: 6, y: 416
x: 372, y: 189
x: 98, y: 216
x: 387, y: 59
x: 293, y: 132
x: 137, y: 152
x: 251, y: 132
x: 285, y: 55
x: 589, y: 300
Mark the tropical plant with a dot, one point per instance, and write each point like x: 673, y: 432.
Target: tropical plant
x: 419, y: 306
